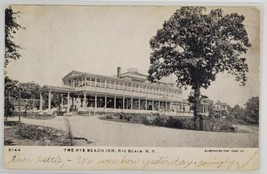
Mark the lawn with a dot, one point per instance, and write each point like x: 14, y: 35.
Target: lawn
x: 26, y: 134
x: 110, y: 133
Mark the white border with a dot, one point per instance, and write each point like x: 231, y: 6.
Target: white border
x: 263, y: 69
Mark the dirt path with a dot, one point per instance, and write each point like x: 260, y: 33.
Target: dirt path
x: 109, y: 133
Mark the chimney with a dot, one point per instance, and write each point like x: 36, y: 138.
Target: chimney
x: 118, y: 72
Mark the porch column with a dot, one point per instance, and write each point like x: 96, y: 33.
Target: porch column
x: 123, y: 102
x: 105, y: 83
x: 95, y: 103
x: 153, y: 105
x: 61, y: 97
x: 188, y: 108
x: 139, y: 104
x: 72, y: 101
x: 61, y: 102
x: 95, y: 100
x: 68, y: 105
x: 166, y: 106
x: 49, y: 100
x: 84, y: 100
x: 132, y: 103
x: 105, y: 101
x: 115, y: 102
x: 41, y: 102
x: 146, y: 104
x: 78, y: 101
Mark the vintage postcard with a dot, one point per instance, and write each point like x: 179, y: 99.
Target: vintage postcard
x: 132, y: 87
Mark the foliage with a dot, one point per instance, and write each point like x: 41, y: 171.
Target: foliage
x: 196, y: 45
x: 11, y: 87
x: 11, y: 90
x: 9, y: 108
x: 25, y: 134
x: 237, y: 111
x: 55, y: 100
x: 252, y: 109
x: 11, y: 27
x: 222, y: 124
x: 28, y: 90
x: 11, y: 53
x: 153, y: 119
x: 178, y: 122
x: 34, y: 135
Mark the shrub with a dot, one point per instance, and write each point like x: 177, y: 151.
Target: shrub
x: 153, y: 119
x: 188, y: 123
x: 109, y: 117
x: 37, y: 132
x: 221, y: 124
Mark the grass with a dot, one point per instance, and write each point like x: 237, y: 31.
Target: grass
x: 154, y: 120
x: 40, y: 117
x: 25, y: 134
x: 218, y: 125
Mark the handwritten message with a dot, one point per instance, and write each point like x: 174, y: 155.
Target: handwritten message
x: 125, y: 158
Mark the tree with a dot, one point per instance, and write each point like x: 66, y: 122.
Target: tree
x: 30, y: 90
x: 11, y: 53
x: 16, y: 90
x: 237, y: 111
x: 11, y: 90
x: 196, y: 45
x: 252, y: 109
x: 11, y: 27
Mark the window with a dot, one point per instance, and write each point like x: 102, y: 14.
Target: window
x: 87, y: 81
x: 112, y: 84
x: 118, y: 85
x: 102, y: 83
x: 156, y: 90
x: 108, y: 84
x: 125, y: 86
x: 97, y: 82
x: 81, y: 81
x: 144, y: 89
x: 128, y: 87
x: 136, y: 87
x: 150, y: 90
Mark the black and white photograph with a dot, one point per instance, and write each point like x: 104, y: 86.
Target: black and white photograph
x: 132, y: 76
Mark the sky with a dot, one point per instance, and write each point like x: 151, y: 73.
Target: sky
x: 59, y: 39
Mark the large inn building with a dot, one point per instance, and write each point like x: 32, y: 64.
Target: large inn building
x: 128, y: 92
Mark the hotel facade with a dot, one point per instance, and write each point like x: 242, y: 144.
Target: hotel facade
x: 128, y: 92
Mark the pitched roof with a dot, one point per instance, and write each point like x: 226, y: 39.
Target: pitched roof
x: 220, y: 103
x: 206, y: 101
x: 73, y: 73
x: 134, y: 73
x: 79, y: 73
